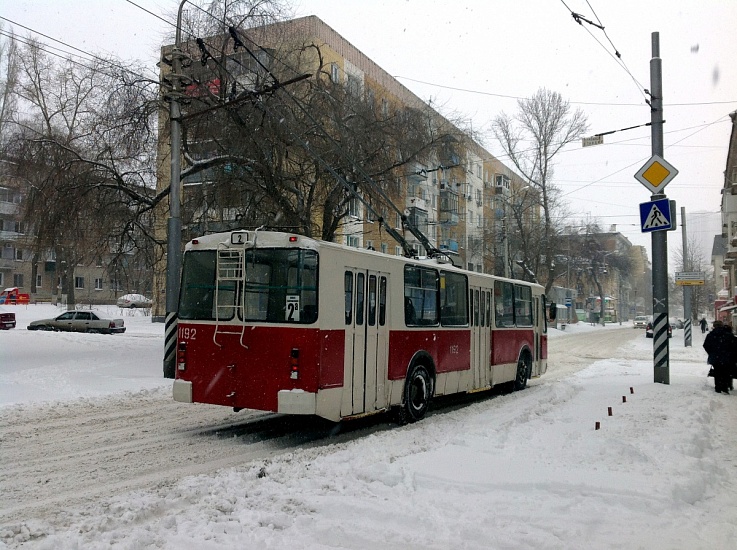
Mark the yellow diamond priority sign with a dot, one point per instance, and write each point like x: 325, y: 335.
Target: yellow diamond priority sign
x: 656, y: 173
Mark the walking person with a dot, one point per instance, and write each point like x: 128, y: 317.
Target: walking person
x: 721, y: 345
x: 703, y: 324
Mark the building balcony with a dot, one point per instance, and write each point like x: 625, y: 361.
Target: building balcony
x: 414, y: 202
x: 9, y: 208
x: 7, y: 264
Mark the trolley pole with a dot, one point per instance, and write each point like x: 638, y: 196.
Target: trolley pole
x: 661, y: 366
x: 174, y: 223
x: 686, y: 288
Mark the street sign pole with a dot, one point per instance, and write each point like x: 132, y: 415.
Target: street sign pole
x: 661, y: 366
x: 686, y: 288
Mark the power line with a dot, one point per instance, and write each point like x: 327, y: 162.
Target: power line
x: 68, y: 57
x: 45, y: 47
x: 479, y: 92
x: 578, y: 18
x: 515, y: 97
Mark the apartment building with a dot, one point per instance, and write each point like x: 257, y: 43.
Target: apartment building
x: 458, y: 195
x: 98, y: 280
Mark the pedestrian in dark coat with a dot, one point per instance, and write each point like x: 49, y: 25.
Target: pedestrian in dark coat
x: 703, y: 324
x: 721, y: 345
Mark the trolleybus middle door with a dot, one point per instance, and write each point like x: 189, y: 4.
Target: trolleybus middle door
x: 366, y: 347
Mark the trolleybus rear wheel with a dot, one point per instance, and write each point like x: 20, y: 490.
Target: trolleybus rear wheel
x: 418, y: 391
x: 523, y: 372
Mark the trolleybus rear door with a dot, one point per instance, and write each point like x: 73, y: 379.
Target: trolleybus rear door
x: 480, y: 338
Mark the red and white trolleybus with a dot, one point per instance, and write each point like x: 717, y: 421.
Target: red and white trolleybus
x: 281, y: 322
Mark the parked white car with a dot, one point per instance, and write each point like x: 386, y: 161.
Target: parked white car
x: 80, y: 321
x: 134, y: 300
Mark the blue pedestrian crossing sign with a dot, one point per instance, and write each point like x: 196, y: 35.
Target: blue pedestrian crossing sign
x: 656, y: 216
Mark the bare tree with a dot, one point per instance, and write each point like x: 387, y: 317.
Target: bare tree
x: 273, y: 138
x: 543, y: 125
x: 83, y: 143
x: 694, y: 260
x: 8, y: 81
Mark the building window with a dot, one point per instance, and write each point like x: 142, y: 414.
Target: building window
x: 354, y: 208
x: 18, y: 280
x: 353, y: 241
x: 39, y: 281
x: 397, y: 250
x: 334, y: 76
x: 354, y: 85
x: 79, y: 282
x: 384, y: 248
x: 18, y: 254
x: 98, y: 284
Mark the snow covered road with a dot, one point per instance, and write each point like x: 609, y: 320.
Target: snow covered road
x: 69, y: 453
x: 133, y: 469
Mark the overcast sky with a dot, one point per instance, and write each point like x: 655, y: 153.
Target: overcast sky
x: 476, y: 57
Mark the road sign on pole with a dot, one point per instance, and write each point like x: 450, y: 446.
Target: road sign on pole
x: 656, y: 216
x: 690, y: 278
x: 656, y: 173
x: 655, y: 178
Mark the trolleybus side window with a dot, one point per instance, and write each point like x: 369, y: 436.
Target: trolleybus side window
x: 523, y: 306
x: 544, y: 317
x: 420, y: 296
x: 475, y: 308
x: 483, y: 309
x: 302, y: 286
x: 360, y: 290
x: 372, y: 301
x: 348, y: 284
x: 382, y: 301
x: 453, y: 310
x: 198, y: 285
x: 504, y: 304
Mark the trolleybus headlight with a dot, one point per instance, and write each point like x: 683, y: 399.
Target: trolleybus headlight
x: 294, y: 362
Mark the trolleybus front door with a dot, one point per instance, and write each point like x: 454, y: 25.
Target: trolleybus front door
x: 366, y: 342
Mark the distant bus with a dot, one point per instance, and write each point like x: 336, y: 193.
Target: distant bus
x: 280, y: 322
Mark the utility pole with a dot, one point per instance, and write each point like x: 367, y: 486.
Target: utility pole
x: 174, y: 223
x: 686, y: 288
x: 661, y: 366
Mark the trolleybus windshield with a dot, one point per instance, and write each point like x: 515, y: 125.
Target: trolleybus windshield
x: 279, y: 285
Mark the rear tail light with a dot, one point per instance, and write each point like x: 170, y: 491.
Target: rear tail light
x: 111, y: 325
x: 294, y: 364
x: 182, y: 355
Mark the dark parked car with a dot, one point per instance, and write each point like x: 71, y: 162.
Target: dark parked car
x: 80, y: 321
x: 649, y: 330
x: 7, y: 319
